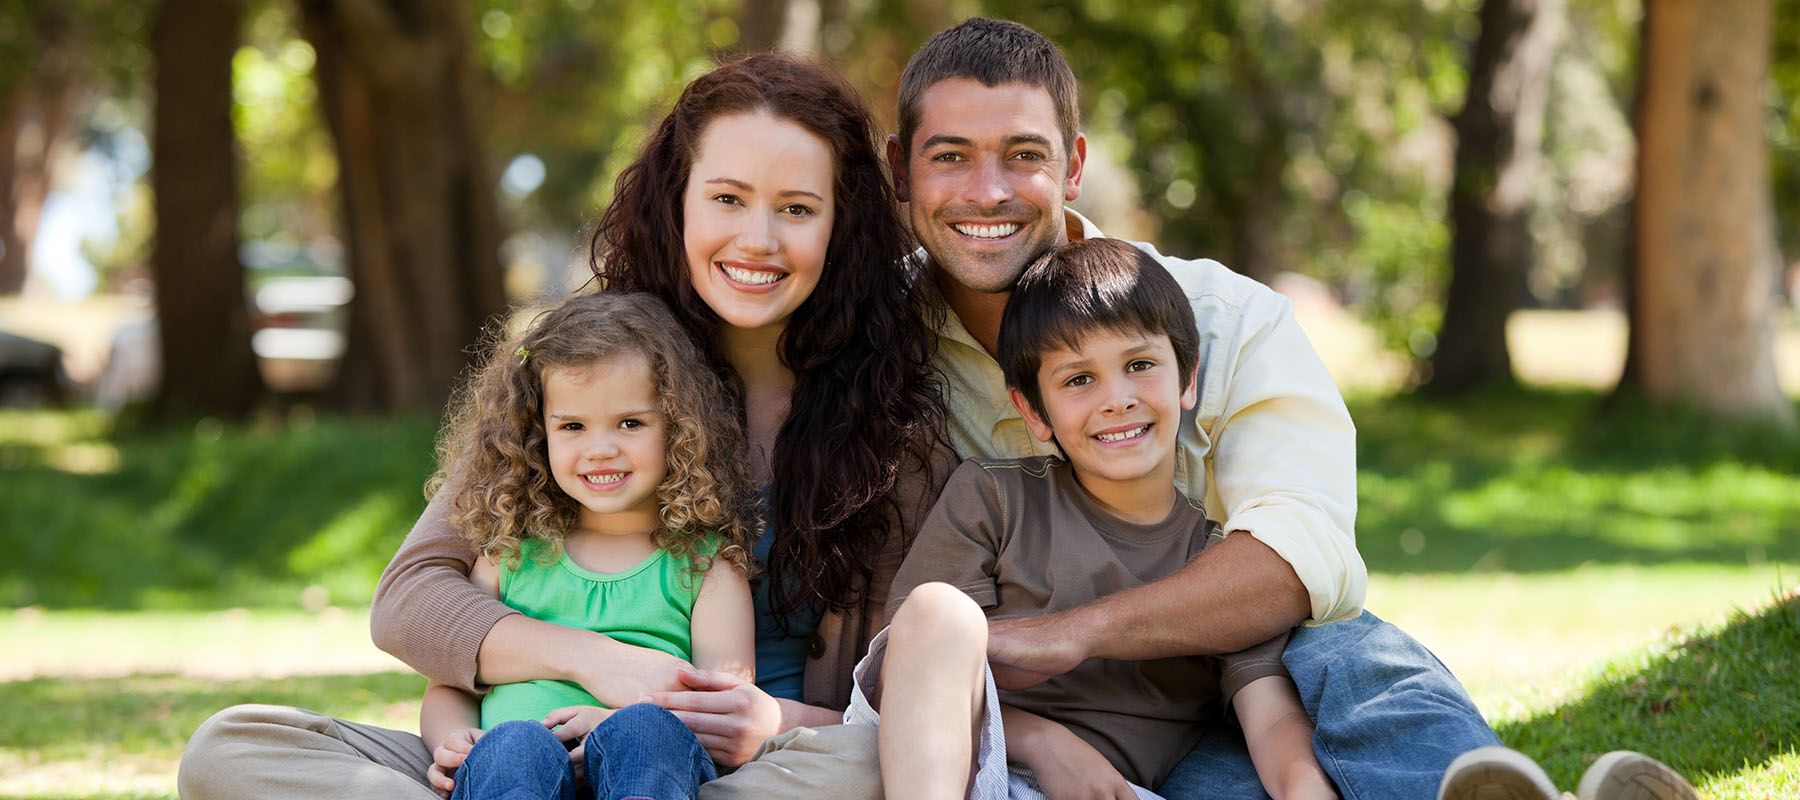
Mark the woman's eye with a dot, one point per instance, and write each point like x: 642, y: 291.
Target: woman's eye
x: 728, y: 199
x: 797, y: 210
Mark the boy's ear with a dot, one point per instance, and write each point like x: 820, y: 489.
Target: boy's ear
x: 1190, y: 396
x: 1035, y: 423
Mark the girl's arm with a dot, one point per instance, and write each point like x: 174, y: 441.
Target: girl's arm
x: 1280, y: 737
x: 450, y: 724
x: 724, y: 623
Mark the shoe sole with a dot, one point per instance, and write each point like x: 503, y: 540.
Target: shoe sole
x: 1496, y: 773
x: 1625, y: 775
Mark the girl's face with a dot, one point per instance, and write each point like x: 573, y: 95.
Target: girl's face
x: 758, y: 208
x: 606, y: 440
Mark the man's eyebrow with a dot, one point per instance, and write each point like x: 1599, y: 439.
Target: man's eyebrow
x: 944, y: 138
x: 1027, y: 138
x: 742, y: 186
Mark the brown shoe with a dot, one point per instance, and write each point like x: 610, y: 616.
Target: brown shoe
x: 1625, y: 775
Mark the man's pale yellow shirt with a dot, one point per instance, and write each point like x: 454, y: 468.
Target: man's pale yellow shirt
x: 1270, y: 446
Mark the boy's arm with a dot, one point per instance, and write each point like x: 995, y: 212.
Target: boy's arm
x: 428, y: 614
x: 958, y: 542
x: 723, y: 627
x: 1063, y: 764
x: 1280, y: 738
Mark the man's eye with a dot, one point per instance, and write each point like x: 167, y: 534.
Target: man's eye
x: 947, y: 157
x: 1029, y: 155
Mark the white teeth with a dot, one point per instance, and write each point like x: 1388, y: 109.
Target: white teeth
x: 752, y: 277
x: 988, y: 231
x: 603, y: 480
x: 1122, y: 435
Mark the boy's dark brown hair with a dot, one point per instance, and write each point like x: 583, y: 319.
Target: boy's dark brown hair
x: 1096, y: 284
x: 993, y: 51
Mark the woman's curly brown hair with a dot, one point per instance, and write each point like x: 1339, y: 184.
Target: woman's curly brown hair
x: 494, y: 453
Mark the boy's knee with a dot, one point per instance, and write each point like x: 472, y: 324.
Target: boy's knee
x: 941, y: 613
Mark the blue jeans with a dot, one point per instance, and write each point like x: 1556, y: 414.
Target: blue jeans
x: 641, y: 751
x: 1389, y: 718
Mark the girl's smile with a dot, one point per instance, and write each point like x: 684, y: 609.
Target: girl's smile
x: 606, y: 441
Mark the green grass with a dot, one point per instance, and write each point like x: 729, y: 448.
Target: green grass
x: 204, y: 517
x: 1578, y: 570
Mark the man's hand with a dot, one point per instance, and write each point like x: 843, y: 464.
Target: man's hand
x: 729, y: 715
x: 448, y: 756
x: 1027, y: 651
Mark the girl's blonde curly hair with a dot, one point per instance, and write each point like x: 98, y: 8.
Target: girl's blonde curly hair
x: 493, y: 456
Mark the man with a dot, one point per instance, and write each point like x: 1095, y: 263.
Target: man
x: 988, y: 151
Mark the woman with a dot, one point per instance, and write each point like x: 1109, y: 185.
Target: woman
x: 759, y: 211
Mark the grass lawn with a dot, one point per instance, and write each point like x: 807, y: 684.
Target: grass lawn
x: 1597, y: 581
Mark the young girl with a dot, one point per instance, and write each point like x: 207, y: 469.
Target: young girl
x: 596, y: 466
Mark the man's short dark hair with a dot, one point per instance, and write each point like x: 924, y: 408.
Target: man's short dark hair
x: 1076, y: 289
x: 993, y: 51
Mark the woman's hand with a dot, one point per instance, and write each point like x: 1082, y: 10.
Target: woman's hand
x: 622, y: 673
x: 730, y: 715
x: 448, y: 756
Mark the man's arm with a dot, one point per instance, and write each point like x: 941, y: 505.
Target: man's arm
x: 428, y: 614
x: 1177, y: 615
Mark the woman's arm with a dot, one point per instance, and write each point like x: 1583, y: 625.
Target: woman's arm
x: 1280, y: 738
x: 429, y: 614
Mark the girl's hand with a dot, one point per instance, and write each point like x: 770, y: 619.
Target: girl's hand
x: 574, y: 723
x: 730, y: 715
x: 448, y: 756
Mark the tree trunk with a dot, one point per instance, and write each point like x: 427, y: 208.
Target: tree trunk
x: 421, y: 223
x: 1499, y: 138
x: 1703, y: 250
x: 202, y: 314
x: 32, y: 125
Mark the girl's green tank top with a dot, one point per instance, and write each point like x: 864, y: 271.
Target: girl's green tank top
x: 649, y: 605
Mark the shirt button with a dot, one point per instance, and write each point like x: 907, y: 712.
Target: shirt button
x: 815, y: 647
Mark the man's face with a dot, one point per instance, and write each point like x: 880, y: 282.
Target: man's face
x: 985, y: 177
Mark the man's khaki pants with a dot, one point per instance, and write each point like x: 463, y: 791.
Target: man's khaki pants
x: 277, y: 752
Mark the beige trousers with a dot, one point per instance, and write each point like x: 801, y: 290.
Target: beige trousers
x: 276, y: 752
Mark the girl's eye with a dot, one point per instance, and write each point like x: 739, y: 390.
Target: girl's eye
x: 1079, y: 380
x: 631, y: 424
x: 1139, y: 365
x: 571, y: 426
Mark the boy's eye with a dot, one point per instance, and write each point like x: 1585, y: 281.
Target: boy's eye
x: 1082, y: 379
x: 1139, y: 365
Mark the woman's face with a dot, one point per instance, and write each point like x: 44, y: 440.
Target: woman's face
x: 758, y: 209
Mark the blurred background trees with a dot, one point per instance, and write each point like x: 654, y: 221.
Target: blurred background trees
x: 1433, y: 165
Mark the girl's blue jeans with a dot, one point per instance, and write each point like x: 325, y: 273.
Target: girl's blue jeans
x: 641, y: 751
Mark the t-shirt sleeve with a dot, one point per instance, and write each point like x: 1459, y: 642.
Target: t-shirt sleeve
x: 959, y: 542
x: 1237, y: 670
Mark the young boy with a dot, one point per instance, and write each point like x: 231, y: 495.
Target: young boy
x: 1099, y: 347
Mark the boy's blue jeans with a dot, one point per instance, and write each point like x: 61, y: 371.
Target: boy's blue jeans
x: 1390, y: 718
x: 641, y: 751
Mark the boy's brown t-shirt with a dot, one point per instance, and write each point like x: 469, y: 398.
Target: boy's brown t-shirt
x: 1022, y: 538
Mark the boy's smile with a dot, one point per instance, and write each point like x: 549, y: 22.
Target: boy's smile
x: 1114, y: 405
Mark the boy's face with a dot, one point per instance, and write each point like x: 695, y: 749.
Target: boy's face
x: 1114, y: 405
